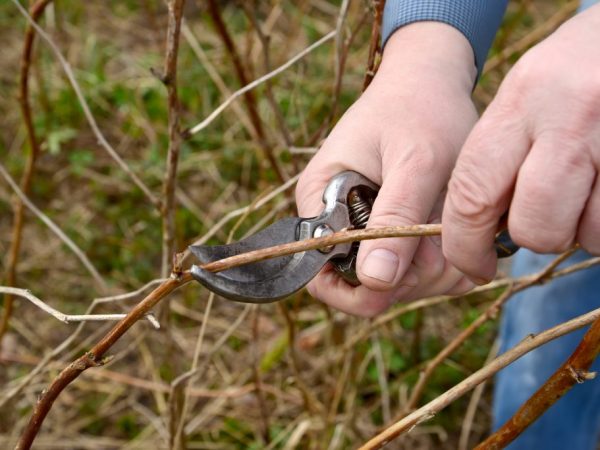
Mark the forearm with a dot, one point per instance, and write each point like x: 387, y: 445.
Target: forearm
x: 477, y: 20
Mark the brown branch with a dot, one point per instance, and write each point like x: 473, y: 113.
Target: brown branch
x: 250, y: 11
x: 169, y: 78
x: 94, y: 357
x: 575, y: 370
x: 35, y: 11
x: 342, y: 48
x: 240, y: 92
x: 315, y: 243
x: 429, y: 410
x: 249, y: 98
x: 375, y: 43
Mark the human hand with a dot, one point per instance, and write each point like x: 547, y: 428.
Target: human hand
x: 535, y: 152
x: 404, y: 133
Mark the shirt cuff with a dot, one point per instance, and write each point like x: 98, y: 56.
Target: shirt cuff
x: 477, y: 20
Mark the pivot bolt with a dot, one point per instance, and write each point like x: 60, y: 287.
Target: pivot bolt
x: 322, y: 231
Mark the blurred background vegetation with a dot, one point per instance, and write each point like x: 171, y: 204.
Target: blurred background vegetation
x: 313, y: 392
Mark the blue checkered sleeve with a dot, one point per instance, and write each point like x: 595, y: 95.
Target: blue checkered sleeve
x: 478, y: 20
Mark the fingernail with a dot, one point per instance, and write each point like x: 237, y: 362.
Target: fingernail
x: 381, y: 264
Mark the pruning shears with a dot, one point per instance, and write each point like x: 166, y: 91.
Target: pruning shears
x: 348, y: 200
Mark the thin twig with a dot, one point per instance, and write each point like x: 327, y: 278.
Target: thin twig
x: 250, y: 11
x: 68, y: 318
x: 249, y: 98
x: 518, y: 285
x: 36, y: 10
x: 132, y: 294
x: 56, y: 230
x: 575, y: 370
x: 169, y: 78
x: 374, y: 43
x: 322, y: 242
x: 429, y: 410
x: 212, y: 116
x: 206, y: 62
x: 86, y: 109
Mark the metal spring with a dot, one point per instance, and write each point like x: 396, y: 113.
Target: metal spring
x: 359, y: 209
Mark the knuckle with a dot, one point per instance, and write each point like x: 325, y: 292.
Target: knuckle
x: 424, y: 159
x: 526, y: 71
x: 467, y: 195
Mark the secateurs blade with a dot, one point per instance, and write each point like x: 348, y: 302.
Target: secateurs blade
x: 348, y: 200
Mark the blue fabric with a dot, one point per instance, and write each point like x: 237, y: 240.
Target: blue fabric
x: 478, y: 20
x: 573, y: 422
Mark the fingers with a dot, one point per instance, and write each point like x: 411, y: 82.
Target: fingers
x: 589, y: 227
x: 407, y: 196
x: 479, y: 191
x: 330, y: 288
x: 552, y: 188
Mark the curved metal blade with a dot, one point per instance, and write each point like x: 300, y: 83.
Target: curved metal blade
x: 264, y: 281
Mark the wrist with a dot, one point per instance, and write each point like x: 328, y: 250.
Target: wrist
x: 429, y: 51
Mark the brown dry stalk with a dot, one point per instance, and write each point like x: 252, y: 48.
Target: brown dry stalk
x: 315, y: 243
x: 374, y: 44
x: 575, y: 370
x: 35, y: 12
x: 94, y: 357
x: 169, y: 78
x: 343, y: 47
x: 249, y: 98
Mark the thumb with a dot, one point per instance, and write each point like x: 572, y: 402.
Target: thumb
x: 408, y: 194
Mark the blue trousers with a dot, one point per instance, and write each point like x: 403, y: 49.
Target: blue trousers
x: 573, y: 422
